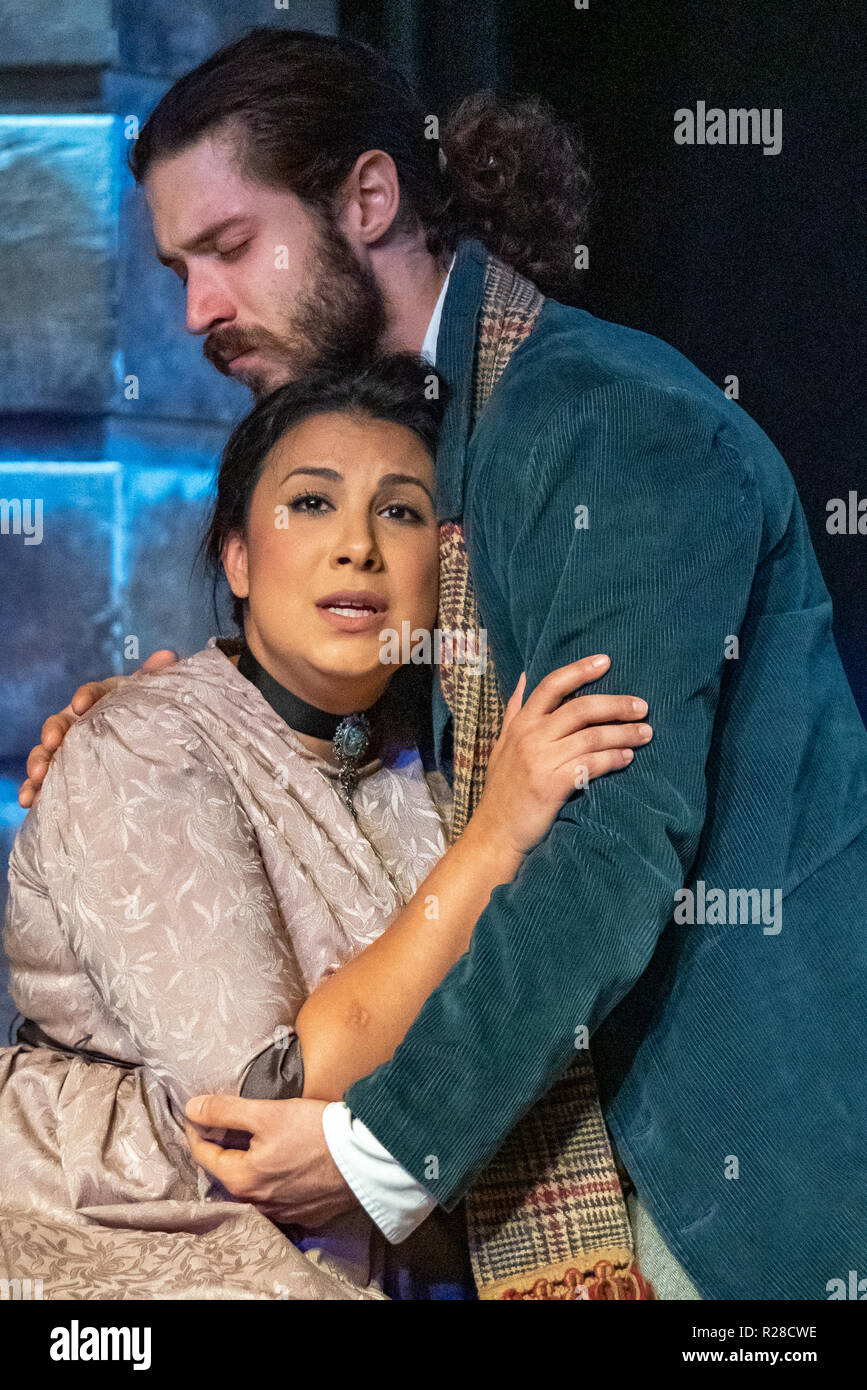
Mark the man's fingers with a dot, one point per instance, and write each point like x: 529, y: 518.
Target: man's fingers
x: 38, y: 761
x: 87, y: 695
x: 228, y: 1165
x: 157, y: 660
x: 54, y: 731
x: 227, y: 1112
x: 27, y: 795
x: 57, y: 726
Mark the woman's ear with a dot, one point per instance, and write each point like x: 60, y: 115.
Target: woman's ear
x: 234, y: 559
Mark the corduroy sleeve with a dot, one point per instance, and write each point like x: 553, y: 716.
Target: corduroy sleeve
x: 657, y: 573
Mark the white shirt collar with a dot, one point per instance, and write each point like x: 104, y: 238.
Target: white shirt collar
x: 429, y: 346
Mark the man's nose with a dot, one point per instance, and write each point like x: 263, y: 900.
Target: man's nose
x: 208, y: 303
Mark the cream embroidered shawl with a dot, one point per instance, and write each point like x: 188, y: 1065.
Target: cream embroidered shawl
x: 188, y: 875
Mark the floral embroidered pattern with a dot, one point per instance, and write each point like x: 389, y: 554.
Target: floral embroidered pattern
x: 188, y: 875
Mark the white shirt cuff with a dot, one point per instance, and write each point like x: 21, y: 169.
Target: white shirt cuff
x: 389, y: 1194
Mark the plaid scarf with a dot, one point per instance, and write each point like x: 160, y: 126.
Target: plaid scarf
x: 547, y: 1219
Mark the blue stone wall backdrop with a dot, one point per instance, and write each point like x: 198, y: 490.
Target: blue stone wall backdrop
x: 103, y: 480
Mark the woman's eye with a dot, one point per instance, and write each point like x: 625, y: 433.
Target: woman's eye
x: 411, y: 515
x: 298, y: 503
x: 314, y: 504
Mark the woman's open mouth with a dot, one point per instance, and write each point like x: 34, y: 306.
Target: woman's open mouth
x: 353, y: 614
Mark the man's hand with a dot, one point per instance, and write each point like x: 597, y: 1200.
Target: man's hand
x: 57, y: 726
x: 287, y: 1172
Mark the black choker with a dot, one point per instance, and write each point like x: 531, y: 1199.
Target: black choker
x: 352, y: 735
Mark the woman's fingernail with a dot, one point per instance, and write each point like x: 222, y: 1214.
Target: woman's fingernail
x: 599, y: 661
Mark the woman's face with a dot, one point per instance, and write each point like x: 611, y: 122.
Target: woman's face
x: 344, y: 505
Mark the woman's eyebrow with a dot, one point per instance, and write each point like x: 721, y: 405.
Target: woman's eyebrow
x: 330, y: 473
x: 405, y: 478
x: 334, y: 476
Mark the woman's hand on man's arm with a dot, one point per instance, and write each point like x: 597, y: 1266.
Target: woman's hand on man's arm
x: 57, y: 726
x: 549, y: 746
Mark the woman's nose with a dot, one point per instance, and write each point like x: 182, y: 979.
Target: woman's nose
x: 362, y: 558
x: 358, y: 546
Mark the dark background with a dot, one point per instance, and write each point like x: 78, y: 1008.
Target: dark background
x: 750, y: 264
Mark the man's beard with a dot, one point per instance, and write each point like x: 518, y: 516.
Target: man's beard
x: 341, y: 317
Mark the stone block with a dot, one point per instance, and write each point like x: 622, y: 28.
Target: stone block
x: 61, y: 592
x: 57, y: 247
x: 166, y: 600
x: 42, y: 32
x: 162, y: 37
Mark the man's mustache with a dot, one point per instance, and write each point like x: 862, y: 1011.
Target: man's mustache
x: 220, y: 348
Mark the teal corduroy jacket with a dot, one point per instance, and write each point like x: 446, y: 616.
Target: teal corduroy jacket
x: 730, y: 1050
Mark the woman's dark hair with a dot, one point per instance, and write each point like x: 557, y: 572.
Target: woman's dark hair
x: 302, y: 107
x: 398, y: 387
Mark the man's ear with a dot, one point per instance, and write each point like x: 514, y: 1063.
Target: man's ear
x: 370, y: 197
x: 234, y: 559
